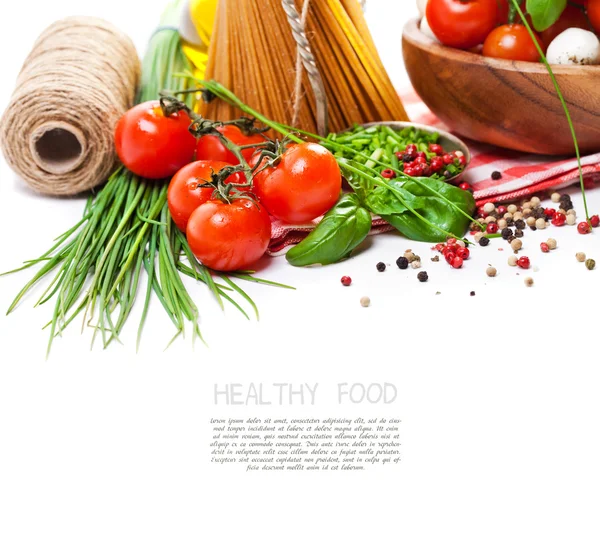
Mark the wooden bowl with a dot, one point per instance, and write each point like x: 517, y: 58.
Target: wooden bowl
x: 511, y: 104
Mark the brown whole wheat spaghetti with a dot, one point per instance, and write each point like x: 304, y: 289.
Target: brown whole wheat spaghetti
x: 253, y: 53
x: 57, y: 131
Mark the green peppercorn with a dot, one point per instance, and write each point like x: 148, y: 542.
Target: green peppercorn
x: 590, y: 264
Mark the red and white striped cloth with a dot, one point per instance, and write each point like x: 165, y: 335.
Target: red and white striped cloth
x: 522, y: 175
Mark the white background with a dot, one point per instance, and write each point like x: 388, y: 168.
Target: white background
x: 498, y: 393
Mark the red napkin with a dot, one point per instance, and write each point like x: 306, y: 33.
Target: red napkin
x: 522, y: 174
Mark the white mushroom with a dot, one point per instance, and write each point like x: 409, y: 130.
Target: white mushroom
x: 426, y: 29
x: 422, y: 6
x: 574, y: 47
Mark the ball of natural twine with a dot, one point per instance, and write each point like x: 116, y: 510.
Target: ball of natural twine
x: 57, y: 131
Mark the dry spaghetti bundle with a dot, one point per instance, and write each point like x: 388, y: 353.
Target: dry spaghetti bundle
x: 254, y: 53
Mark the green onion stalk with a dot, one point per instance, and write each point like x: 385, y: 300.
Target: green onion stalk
x: 95, y: 269
x: 517, y: 9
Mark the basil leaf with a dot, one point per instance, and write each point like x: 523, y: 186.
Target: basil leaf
x: 434, y: 209
x: 383, y: 201
x: 342, y: 228
x: 544, y: 13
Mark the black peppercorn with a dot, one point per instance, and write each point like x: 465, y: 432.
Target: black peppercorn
x: 533, y: 227
x: 472, y: 293
x: 422, y: 276
x: 520, y: 224
x: 380, y: 267
x: 510, y: 238
x: 506, y: 233
x: 496, y: 175
x: 402, y: 263
x: 483, y: 241
x: 566, y: 204
x: 519, y: 233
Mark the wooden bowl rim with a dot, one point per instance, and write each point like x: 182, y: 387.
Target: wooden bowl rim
x: 412, y: 33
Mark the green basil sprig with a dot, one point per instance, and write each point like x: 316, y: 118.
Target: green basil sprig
x: 441, y: 217
x: 342, y: 228
x: 544, y: 13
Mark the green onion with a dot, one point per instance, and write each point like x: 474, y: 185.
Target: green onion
x: 126, y: 228
x: 517, y: 9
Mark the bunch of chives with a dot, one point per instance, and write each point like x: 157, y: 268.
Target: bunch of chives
x: 95, y: 268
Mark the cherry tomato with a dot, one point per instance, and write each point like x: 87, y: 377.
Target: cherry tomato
x: 572, y: 17
x: 185, y: 193
x: 511, y: 42
x: 305, y: 184
x: 462, y: 24
x: 593, y: 12
x: 151, y: 144
x: 229, y: 236
x: 210, y: 147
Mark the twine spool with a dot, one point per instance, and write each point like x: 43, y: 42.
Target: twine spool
x: 57, y: 131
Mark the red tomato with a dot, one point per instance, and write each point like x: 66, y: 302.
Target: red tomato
x: 185, y: 193
x: 231, y: 236
x: 210, y: 147
x: 572, y: 17
x: 593, y: 12
x: 502, y: 16
x: 462, y: 24
x: 152, y: 145
x: 305, y: 184
x: 511, y: 42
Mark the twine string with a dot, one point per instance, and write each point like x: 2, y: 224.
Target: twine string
x: 57, y: 131
x: 309, y: 63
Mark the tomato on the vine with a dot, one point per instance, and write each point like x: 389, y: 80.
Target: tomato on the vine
x: 210, y: 147
x: 511, y: 42
x: 305, y: 183
x: 593, y: 12
x: 572, y: 17
x: 151, y: 144
x: 462, y: 24
x: 186, y: 192
x: 229, y: 236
